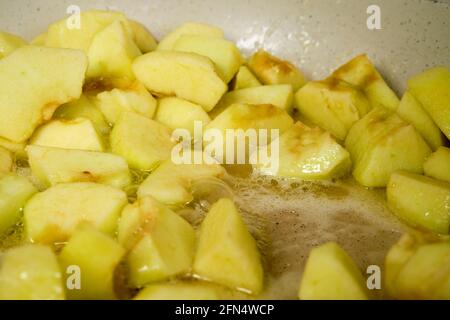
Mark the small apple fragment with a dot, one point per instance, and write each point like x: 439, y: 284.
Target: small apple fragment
x: 420, y: 201
x: 53, y: 215
x: 432, y: 89
x: 17, y: 148
x: 135, y: 98
x: 411, y: 111
x: 30, y: 272
x: 171, y: 184
x: 9, y: 43
x: 227, y: 253
x: 179, y: 291
x: 39, y: 40
x: 245, y: 79
x: 6, y: 161
x: 143, y: 142
x: 331, y: 274
x: 223, y: 53
x: 14, y: 193
x: 188, y: 28
x: 186, y: 75
x: 361, y: 73
x: 438, y: 165
x: 55, y: 165
x: 309, y: 154
x: 78, y: 133
x: 32, y: 86
x: 142, y: 37
x: 272, y: 70
x: 332, y: 105
x: 97, y: 256
x: 161, y: 242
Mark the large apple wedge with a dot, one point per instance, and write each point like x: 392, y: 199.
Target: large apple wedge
x: 438, y: 165
x: 52, y: 216
x: 421, y: 201
x: 189, y: 76
x: 432, y: 89
x: 6, y: 161
x: 30, y: 272
x: 32, y: 86
x: 55, y: 165
x: 227, y: 253
x: 330, y: 274
x: 9, y: 43
x: 245, y: 79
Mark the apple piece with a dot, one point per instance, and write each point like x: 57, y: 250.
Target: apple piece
x: 52, y: 216
x: 142, y: 37
x: 78, y: 133
x: 32, y: 86
x: 432, y: 89
x: 30, y: 272
x: 309, y: 154
x: 39, y: 40
x: 360, y: 72
x: 331, y: 274
x: 245, y: 79
x: 135, y: 98
x: 14, y: 193
x: 188, y: 28
x: 272, y: 70
x: 171, y: 184
x: 6, y: 161
x: 162, y: 243
x: 412, y: 112
x: 111, y: 53
x: 84, y: 107
x: 65, y: 34
x: 223, y: 53
x: 187, y: 75
x: 143, y: 142
x: 178, y: 291
x: 226, y: 252
x: 9, y: 43
x: 177, y: 113
x: 438, y: 164
x: 280, y: 96
x: 55, y: 165
x: 17, y: 148
x: 421, y: 201
x: 97, y: 256
x: 332, y: 105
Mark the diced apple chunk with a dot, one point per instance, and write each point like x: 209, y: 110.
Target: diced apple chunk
x: 412, y: 112
x: 32, y: 86
x: 171, y: 183
x: 18, y: 148
x: 361, y: 72
x: 52, y: 216
x: 421, y: 201
x: 55, y: 165
x: 309, y: 153
x: 223, y: 53
x: 6, y: 161
x: 143, y: 142
x: 188, y: 28
x: 162, y: 243
x: 97, y: 256
x: 330, y: 274
x: 14, y: 193
x: 178, y: 113
x: 187, y: 75
x: 432, y: 89
x: 142, y: 37
x: 111, y: 53
x: 272, y: 70
x: 245, y: 79
x: 78, y: 133
x: 132, y: 99
x: 9, y: 43
x: 39, y: 40
x: 333, y: 105
x: 178, y: 291
x: 438, y: 165
x: 227, y: 253
x: 30, y: 272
